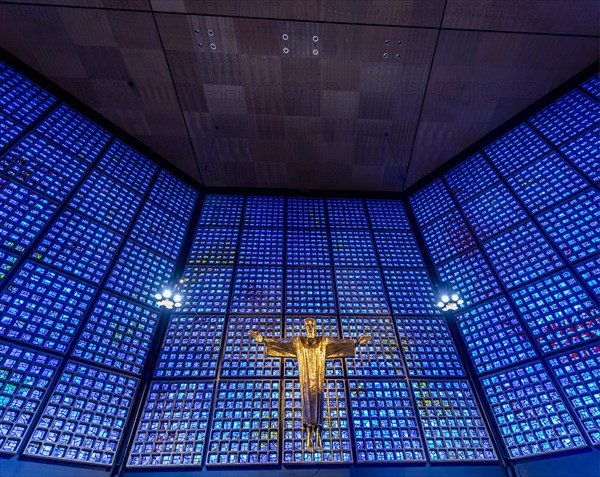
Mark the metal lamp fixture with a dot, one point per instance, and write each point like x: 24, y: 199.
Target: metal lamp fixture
x: 169, y: 298
x: 450, y: 302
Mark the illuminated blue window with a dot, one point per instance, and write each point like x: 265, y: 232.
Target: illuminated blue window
x: 42, y: 166
x: 7, y: 262
x: 336, y: 425
x: 75, y: 133
x: 410, y: 292
x: 85, y: 417
x: 590, y: 272
x: 43, y: 308
x: 160, y: 231
x: 172, y: 427
x: 117, y: 334
x: 385, y: 422
x: 431, y: 202
x: 23, y: 213
x: 530, y: 413
x: 307, y: 248
x: 168, y: 191
x: 360, y: 292
x: 353, y: 248
x: 470, y: 276
x: 578, y: 375
x: 447, y: 236
x: 453, y: 425
x: 127, y: 166
x: 309, y: 291
x: 592, y: 86
x: 428, y: 347
x: 214, y: 246
x: 130, y: 277
x: 546, y: 182
x: 347, y: 214
x: 521, y: 254
x: 305, y: 213
x: 575, y: 225
x: 493, y: 211
x: 242, y: 433
x: 387, y: 214
x: 78, y: 246
x: 25, y: 375
x: 516, y: 149
x: 264, y: 212
x: 261, y: 247
x: 584, y: 152
x: 191, y: 347
x: 205, y: 289
x: 9, y: 130
x: 378, y: 357
x: 470, y: 178
x: 558, y: 311
x: 106, y: 201
x: 494, y: 336
x: 223, y: 210
x: 257, y: 290
x: 242, y: 355
x: 567, y: 117
x: 397, y: 249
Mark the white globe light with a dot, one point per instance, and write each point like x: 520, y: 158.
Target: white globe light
x: 460, y: 302
x: 440, y: 304
x: 455, y: 297
x: 177, y: 298
x: 167, y: 293
x: 158, y: 296
x: 445, y: 299
x: 177, y: 305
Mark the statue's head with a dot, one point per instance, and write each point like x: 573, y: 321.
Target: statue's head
x: 310, y: 325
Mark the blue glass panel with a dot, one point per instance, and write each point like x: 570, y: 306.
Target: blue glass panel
x: 347, y: 214
x: 337, y: 447
x: 494, y: 336
x: 431, y: 202
x: 584, y: 152
x: 493, y: 211
x: 261, y: 247
x: 23, y: 213
x: 85, y: 417
x: 42, y: 166
x: 470, y: 178
x: 7, y: 261
x: 360, y: 292
x: 545, y: 182
x: 567, y: 117
x: 172, y: 428
x: 578, y: 374
x: 25, y: 375
x: 353, y: 248
x: 305, y: 213
x: 447, y: 236
x: 592, y: 85
x: 127, y: 166
x: 521, y: 254
x: 380, y: 356
x: 516, y: 149
x: 309, y: 291
x: 205, y: 289
x: 387, y: 214
x: 530, y: 413
x: 75, y: 133
x: 453, y: 426
x: 575, y: 225
x: 428, y: 347
x: 410, y: 292
x: 78, y: 246
x: 397, y: 249
x: 470, y: 276
x: 558, y: 311
x: 385, y: 422
x: 264, y: 212
x: 590, y: 272
x: 9, y: 130
x: 43, y: 308
x: 257, y: 290
x: 117, y: 334
x: 106, y: 201
x: 214, y: 246
x: 168, y: 191
x: 307, y: 248
x: 191, y: 347
x: 223, y: 210
x: 245, y: 424
x: 243, y: 356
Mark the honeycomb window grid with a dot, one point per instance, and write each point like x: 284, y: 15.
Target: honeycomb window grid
x: 447, y: 236
x: 309, y: 291
x: 306, y: 213
x: 205, y: 289
x: 397, y: 249
x: 264, y: 211
x: 346, y: 214
x: 410, y: 291
x: 169, y: 190
x: 583, y: 152
x: 214, y: 246
x: 257, y: 290
x: 307, y: 248
x: 261, y: 247
x: 470, y: 178
x: 431, y: 202
x: 360, y: 291
x: 221, y: 211
x: 387, y: 214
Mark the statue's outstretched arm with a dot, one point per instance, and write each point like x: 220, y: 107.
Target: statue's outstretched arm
x: 276, y: 347
x: 363, y: 339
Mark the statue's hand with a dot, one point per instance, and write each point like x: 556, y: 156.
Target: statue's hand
x: 364, y: 339
x: 257, y: 336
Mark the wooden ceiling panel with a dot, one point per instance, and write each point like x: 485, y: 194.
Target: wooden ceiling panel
x: 102, y: 4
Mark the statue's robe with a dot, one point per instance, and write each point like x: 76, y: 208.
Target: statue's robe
x: 311, y: 355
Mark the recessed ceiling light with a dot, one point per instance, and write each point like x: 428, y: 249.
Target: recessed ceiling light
x: 315, y: 38
x: 385, y: 56
x: 315, y: 52
x: 199, y: 45
x: 196, y: 31
x: 399, y: 43
x: 211, y: 33
x: 213, y: 46
x: 285, y: 36
x: 387, y: 42
x: 286, y: 50
x: 397, y: 56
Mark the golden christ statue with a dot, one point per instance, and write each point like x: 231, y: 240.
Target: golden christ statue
x: 311, y: 351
